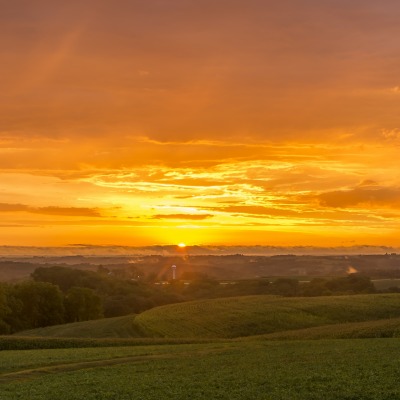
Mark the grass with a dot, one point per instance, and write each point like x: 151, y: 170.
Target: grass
x: 387, y: 328
x: 35, y: 343
x: 234, y: 317
x: 118, y: 327
x: 330, y: 369
x: 254, y: 315
x: 178, y: 358
x: 22, y: 360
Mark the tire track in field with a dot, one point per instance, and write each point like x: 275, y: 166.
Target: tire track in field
x: 34, y: 373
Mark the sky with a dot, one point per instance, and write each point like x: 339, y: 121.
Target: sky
x: 218, y: 122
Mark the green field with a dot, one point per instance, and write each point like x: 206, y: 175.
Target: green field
x: 118, y: 327
x: 366, y: 369
x: 244, y: 348
x: 386, y: 328
x: 234, y: 317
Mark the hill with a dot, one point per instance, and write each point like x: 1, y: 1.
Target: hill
x: 118, y: 327
x: 234, y: 317
x: 383, y: 328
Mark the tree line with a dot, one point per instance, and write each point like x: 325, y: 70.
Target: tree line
x: 32, y: 304
x: 288, y: 287
x: 58, y: 295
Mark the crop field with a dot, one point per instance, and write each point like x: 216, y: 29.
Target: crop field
x: 33, y: 343
x: 234, y: 317
x: 387, y: 328
x: 13, y: 361
x: 252, y: 315
x: 243, y: 348
x: 365, y: 369
x: 118, y: 327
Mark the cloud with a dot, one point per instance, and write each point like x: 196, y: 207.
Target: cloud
x: 5, y: 207
x: 67, y: 211
x: 367, y: 183
x: 196, y: 217
x: 391, y: 134
x: 380, y: 196
x: 110, y: 69
x: 258, y: 210
x: 51, y: 210
x: 203, y: 102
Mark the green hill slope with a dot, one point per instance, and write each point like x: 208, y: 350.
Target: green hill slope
x: 234, y: 317
x: 383, y: 328
x: 254, y: 315
x: 118, y: 327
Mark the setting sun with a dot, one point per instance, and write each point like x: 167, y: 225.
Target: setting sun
x: 181, y: 245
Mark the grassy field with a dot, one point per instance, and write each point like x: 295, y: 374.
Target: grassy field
x: 365, y: 369
x: 387, y: 328
x: 252, y: 315
x: 234, y: 317
x: 31, y: 342
x: 118, y: 327
x: 244, y: 348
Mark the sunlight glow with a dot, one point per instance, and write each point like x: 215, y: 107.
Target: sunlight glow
x: 134, y: 143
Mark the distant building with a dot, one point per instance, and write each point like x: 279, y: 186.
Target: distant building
x: 173, y: 272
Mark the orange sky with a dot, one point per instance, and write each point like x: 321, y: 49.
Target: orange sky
x: 204, y: 122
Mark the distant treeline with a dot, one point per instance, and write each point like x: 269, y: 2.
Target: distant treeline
x: 230, y: 267
x: 58, y: 295
x: 288, y: 287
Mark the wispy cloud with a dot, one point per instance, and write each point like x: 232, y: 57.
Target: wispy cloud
x: 372, y: 197
x: 195, y: 217
x: 51, y: 210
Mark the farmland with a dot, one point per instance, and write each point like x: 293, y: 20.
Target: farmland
x: 252, y: 315
x: 253, y: 347
x: 329, y: 369
x: 234, y: 317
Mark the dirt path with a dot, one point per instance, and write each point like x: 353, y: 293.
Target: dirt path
x: 54, y: 369
x: 33, y: 373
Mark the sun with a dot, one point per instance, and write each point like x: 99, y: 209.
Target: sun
x: 181, y: 245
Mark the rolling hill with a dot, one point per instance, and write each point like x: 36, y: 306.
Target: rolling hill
x: 236, y: 317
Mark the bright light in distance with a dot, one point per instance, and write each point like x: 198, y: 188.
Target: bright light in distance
x: 181, y: 245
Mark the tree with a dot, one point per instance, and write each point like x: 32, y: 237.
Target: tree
x: 4, y: 310
x: 285, y: 287
x: 353, y: 283
x: 82, y: 304
x: 40, y: 303
x: 63, y: 277
x: 316, y: 287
